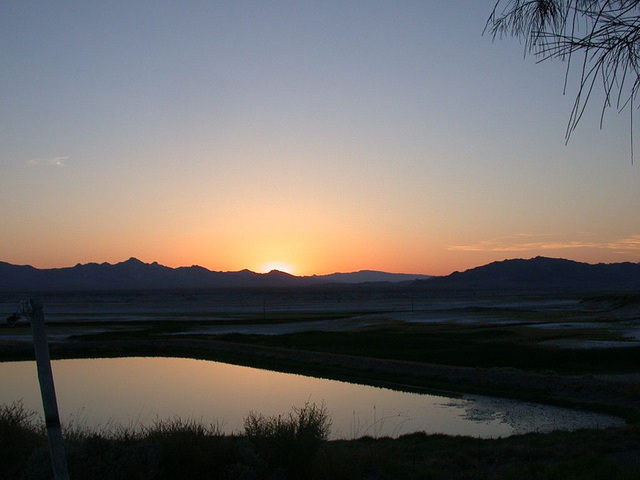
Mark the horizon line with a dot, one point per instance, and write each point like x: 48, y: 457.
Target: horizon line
x: 311, y: 275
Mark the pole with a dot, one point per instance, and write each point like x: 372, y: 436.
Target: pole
x: 47, y: 389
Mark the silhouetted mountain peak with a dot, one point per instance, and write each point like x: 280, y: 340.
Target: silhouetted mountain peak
x: 277, y: 273
x: 544, y: 273
x: 133, y: 261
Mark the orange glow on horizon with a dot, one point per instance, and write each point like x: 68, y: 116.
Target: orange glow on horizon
x: 295, y: 251
x: 280, y: 266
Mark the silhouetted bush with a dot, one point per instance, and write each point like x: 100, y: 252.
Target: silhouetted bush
x: 187, y: 449
x: 290, y: 442
x: 274, y: 447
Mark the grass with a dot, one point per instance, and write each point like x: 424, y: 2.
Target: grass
x: 294, y: 446
x: 474, y: 345
x: 290, y: 442
x: 271, y: 447
x: 469, y: 346
x: 20, y: 435
x: 533, y: 456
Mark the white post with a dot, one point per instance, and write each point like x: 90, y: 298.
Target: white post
x: 47, y: 389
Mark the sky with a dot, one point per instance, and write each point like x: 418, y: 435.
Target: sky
x: 312, y: 137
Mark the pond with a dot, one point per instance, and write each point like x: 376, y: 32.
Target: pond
x: 136, y: 391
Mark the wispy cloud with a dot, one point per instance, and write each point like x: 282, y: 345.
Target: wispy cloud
x: 48, y: 162
x: 526, y: 242
x: 630, y: 243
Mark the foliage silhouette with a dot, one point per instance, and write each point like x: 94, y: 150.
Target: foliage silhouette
x: 290, y: 442
x: 604, y: 33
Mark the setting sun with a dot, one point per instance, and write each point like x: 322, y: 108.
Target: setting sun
x: 281, y: 266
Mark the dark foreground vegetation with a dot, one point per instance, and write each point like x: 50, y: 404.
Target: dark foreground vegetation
x: 294, y: 446
x: 283, y: 446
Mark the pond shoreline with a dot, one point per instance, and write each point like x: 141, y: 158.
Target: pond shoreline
x: 590, y: 453
x: 612, y: 394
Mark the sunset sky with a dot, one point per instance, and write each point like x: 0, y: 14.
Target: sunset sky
x: 313, y: 137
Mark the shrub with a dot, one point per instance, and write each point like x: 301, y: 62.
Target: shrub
x: 290, y: 442
x: 188, y: 449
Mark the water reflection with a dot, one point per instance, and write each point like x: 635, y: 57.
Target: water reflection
x: 137, y: 391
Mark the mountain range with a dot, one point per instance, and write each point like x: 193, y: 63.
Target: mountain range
x: 538, y: 273
x: 134, y: 274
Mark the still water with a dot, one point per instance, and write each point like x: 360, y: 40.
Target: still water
x: 111, y: 392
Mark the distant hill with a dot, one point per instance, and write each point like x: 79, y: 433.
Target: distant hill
x: 534, y: 274
x: 369, y: 276
x: 542, y: 273
x: 136, y: 275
